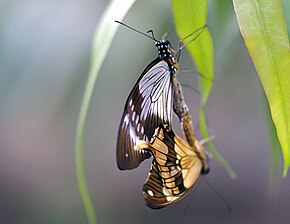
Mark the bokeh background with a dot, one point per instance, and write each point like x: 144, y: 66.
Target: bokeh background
x: 45, y: 51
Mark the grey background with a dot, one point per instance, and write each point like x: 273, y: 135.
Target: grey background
x: 44, y: 61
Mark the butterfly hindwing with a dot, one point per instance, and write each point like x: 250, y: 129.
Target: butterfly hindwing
x: 148, y: 105
x: 174, y: 171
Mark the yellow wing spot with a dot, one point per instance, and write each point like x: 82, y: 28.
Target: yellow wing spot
x: 169, y: 180
x: 175, y: 191
x: 170, y: 185
x: 173, y: 172
x: 161, y: 160
x: 164, y: 169
x: 169, y: 196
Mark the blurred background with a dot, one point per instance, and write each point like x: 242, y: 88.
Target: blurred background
x: 44, y: 60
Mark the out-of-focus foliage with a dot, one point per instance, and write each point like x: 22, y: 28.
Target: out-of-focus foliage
x: 190, y: 16
x: 262, y: 24
x: 104, y: 35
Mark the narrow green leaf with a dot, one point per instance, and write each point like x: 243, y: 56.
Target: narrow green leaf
x: 189, y: 16
x: 104, y: 34
x: 275, y: 158
x: 263, y: 28
x: 286, y: 7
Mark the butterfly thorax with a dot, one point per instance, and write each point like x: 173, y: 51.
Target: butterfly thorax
x: 165, y: 52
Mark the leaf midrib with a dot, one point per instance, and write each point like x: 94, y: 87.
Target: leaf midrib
x: 275, y: 69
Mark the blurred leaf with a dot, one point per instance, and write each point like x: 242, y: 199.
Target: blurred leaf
x: 286, y: 7
x: 189, y: 16
x: 224, y: 30
x: 275, y: 153
x: 263, y: 28
x: 104, y: 35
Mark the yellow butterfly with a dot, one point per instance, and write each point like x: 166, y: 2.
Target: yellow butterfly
x: 175, y: 168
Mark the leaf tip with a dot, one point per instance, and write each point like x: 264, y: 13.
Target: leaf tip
x: 285, y: 171
x: 233, y: 175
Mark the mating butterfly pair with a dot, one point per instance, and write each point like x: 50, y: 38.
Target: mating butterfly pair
x: 145, y: 130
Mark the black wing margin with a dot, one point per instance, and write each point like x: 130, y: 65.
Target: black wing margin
x: 148, y: 105
x: 174, y: 171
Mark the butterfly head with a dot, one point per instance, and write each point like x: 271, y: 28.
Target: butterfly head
x: 166, y: 52
x: 164, y: 49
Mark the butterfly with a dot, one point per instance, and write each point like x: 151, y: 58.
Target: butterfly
x: 149, y: 104
x: 175, y: 168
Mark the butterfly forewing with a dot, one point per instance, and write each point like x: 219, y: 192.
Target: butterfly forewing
x: 174, y: 171
x: 148, y: 105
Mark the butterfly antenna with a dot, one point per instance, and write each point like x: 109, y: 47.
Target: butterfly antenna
x: 166, y: 34
x: 224, y: 200
x: 144, y: 34
x: 152, y: 34
x: 180, y: 46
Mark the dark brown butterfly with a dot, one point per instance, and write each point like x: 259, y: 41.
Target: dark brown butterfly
x: 149, y: 104
x: 175, y: 168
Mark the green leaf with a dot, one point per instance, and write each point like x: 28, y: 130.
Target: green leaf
x: 275, y: 154
x: 189, y: 16
x: 286, y: 7
x: 263, y: 28
x: 104, y: 35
